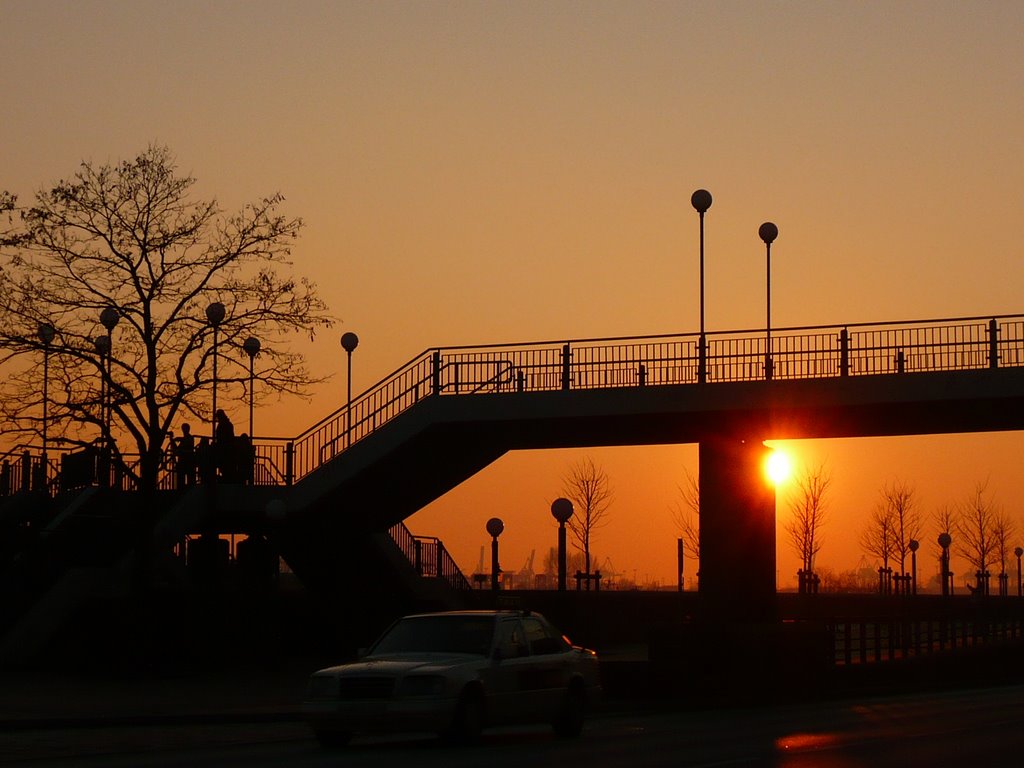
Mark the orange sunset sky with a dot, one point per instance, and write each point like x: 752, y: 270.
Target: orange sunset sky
x: 477, y: 172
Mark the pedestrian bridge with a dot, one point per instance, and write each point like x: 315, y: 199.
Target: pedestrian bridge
x: 450, y: 412
x: 837, y: 381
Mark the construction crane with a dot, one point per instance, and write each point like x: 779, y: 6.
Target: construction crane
x: 523, y: 578
x: 479, y: 577
x: 527, y: 570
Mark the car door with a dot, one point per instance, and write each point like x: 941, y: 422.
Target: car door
x: 546, y: 678
x: 503, y: 677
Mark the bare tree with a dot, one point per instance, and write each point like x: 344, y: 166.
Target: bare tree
x: 879, y: 536
x: 808, y: 512
x: 130, y: 239
x: 588, y: 488
x: 7, y: 207
x: 686, y: 514
x: 551, y: 561
x: 1003, y: 530
x: 898, y: 499
x: 975, y: 526
x: 944, y: 519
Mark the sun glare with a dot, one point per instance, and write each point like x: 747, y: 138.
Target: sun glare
x: 778, y: 467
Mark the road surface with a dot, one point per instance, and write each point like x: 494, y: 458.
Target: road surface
x: 981, y: 727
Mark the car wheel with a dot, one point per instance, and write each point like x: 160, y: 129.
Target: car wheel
x: 468, y: 722
x: 569, y: 723
x: 332, y: 739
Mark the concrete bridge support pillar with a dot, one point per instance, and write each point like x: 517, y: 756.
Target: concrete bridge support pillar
x: 737, y: 531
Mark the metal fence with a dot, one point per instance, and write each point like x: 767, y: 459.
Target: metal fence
x: 428, y: 557
x: 863, y: 641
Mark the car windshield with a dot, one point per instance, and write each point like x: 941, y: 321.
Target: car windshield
x: 438, y: 634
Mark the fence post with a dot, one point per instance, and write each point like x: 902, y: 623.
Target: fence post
x: 26, y: 471
x: 5, y: 478
x: 39, y: 474
x: 993, y: 344
x: 439, y: 551
x: 436, y: 372
x: 566, y: 363
x: 844, y: 352
x: 289, y: 463
x: 418, y: 556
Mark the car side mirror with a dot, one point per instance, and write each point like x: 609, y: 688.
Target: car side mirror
x: 361, y: 652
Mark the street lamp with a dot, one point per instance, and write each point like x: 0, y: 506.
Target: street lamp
x: 701, y: 201
x: 494, y: 528
x: 1018, y: 552
x: 102, y: 344
x: 944, y: 541
x: 914, y: 544
x: 252, y: 348
x: 349, y: 342
x: 46, y: 333
x: 561, y: 510
x: 680, y: 555
x: 109, y: 318
x: 214, y: 316
x: 768, y: 232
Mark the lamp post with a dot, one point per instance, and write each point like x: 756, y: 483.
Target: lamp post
x: 214, y: 316
x: 109, y: 318
x: 914, y: 544
x: 252, y: 348
x: 701, y: 201
x: 561, y: 510
x: 349, y: 342
x: 680, y: 554
x: 1018, y: 552
x: 46, y: 333
x: 768, y: 232
x: 494, y: 528
x: 944, y: 541
x: 102, y: 344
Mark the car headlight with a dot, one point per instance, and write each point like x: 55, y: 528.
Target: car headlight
x: 422, y: 685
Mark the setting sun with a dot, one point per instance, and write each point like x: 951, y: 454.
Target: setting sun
x: 778, y: 467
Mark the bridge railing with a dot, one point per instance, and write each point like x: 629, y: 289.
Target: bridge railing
x: 810, y: 352
x: 21, y: 470
x: 428, y: 556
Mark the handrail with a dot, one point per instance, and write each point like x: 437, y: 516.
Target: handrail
x: 428, y: 556
x: 796, y: 352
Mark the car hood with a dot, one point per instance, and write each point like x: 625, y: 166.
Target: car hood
x: 423, y: 663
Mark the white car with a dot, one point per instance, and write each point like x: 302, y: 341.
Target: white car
x: 455, y: 674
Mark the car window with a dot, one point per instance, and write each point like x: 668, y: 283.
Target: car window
x: 438, y: 634
x: 541, y: 637
x: 511, y: 642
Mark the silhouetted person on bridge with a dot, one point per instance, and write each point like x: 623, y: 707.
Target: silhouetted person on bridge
x: 224, y: 445
x: 205, y: 461
x: 185, y: 457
